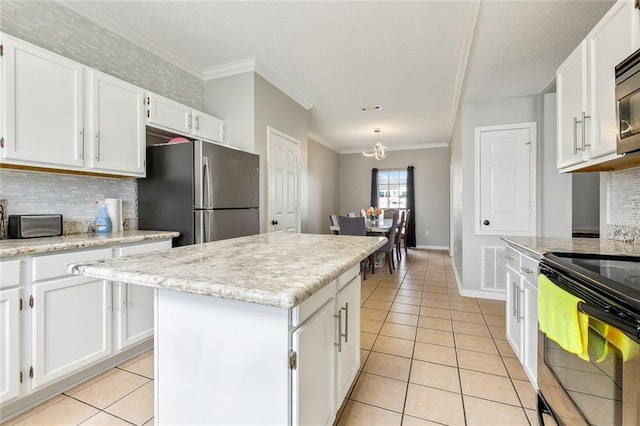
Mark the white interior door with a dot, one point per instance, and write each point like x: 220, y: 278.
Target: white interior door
x: 505, y: 179
x: 283, y: 159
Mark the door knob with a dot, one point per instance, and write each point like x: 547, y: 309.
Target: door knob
x: 486, y: 222
x: 274, y: 222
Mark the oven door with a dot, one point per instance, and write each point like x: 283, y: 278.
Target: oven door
x: 577, y: 392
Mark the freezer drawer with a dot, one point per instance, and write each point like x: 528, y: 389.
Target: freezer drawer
x: 214, y: 225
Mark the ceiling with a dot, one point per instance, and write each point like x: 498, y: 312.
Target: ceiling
x: 417, y: 59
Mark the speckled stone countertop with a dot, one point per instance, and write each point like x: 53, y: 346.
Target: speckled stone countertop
x: 538, y: 246
x: 273, y: 269
x: 71, y: 242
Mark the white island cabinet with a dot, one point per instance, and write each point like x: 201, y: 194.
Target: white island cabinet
x: 262, y: 329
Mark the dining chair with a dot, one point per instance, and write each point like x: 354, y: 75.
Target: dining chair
x: 387, y: 249
x: 404, y: 230
x: 399, y: 229
x: 351, y: 214
x: 333, y: 220
x: 388, y: 214
x: 356, y: 226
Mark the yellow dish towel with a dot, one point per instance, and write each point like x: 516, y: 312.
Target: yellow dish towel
x: 597, y: 339
x: 560, y: 319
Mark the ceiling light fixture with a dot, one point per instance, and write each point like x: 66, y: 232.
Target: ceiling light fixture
x: 378, y: 151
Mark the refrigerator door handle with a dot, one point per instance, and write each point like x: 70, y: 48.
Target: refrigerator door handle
x: 206, y: 190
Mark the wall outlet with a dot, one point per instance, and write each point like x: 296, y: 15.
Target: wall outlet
x: 426, y: 233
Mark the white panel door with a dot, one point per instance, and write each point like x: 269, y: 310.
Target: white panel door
x: 117, y: 126
x: 42, y: 107
x: 612, y: 39
x: 169, y: 115
x: 313, y: 378
x: 71, y: 326
x: 283, y: 159
x: 9, y: 344
x: 207, y: 127
x: 506, y: 190
x: 348, y: 334
x: 571, y: 87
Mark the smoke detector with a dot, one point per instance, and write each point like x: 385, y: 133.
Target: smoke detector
x: 377, y: 107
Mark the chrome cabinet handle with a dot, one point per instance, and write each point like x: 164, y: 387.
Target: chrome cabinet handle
x: 339, y: 343
x: 520, y: 308
x: 97, y: 156
x: 82, y: 145
x: 189, y: 121
x: 197, y: 122
x: 508, y: 257
x: 526, y: 270
x: 514, y: 310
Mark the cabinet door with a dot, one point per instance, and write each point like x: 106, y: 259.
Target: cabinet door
x: 530, y: 327
x: 71, y: 326
x: 513, y: 314
x: 313, y: 378
x: 169, y: 115
x: 116, y: 135
x: 9, y: 344
x: 208, y: 127
x: 134, y: 303
x: 571, y: 87
x: 611, y: 40
x: 348, y: 335
x: 42, y: 98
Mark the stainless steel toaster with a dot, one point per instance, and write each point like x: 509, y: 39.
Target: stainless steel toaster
x: 35, y: 225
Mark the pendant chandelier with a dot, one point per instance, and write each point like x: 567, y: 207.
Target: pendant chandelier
x: 378, y: 151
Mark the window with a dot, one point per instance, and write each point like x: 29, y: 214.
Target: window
x: 392, y: 189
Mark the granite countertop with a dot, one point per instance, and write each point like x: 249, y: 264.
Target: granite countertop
x: 537, y: 246
x: 273, y: 269
x: 29, y: 246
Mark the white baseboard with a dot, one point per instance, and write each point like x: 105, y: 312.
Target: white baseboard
x: 480, y: 294
x: 432, y: 247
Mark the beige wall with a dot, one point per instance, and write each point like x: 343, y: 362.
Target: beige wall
x: 431, y: 188
x: 323, y: 186
x: 275, y: 109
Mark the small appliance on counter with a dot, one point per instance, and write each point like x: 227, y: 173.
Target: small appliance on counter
x: 35, y: 225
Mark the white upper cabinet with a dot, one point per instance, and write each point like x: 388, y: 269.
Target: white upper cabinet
x: 115, y: 135
x: 42, y: 113
x: 172, y: 116
x: 585, y: 85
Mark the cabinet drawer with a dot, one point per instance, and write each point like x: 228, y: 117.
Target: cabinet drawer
x: 513, y: 258
x: 55, y: 265
x: 347, y: 277
x: 144, y: 248
x: 308, y: 307
x: 528, y: 268
x: 9, y: 273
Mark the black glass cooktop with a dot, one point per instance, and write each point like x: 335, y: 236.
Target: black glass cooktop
x: 617, y: 276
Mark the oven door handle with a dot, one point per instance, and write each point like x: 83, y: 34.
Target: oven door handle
x: 609, y: 318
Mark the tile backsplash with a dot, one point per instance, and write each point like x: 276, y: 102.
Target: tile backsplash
x: 624, y: 205
x: 73, y: 196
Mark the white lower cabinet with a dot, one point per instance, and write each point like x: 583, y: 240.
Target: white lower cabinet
x: 9, y: 344
x: 54, y: 325
x: 133, y: 304
x: 71, y: 326
x: 348, y: 349
x: 522, y: 310
x: 312, y: 381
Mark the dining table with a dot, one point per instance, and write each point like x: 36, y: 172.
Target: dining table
x: 377, y: 227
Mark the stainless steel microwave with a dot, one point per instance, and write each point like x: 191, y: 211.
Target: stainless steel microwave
x: 628, y: 103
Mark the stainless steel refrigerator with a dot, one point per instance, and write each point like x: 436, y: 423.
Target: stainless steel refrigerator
x: 207, y: 192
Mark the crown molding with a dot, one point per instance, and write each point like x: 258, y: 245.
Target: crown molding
x: 317, y: 138
x: 466, y: 44
x: 258, y: 67
x: 85, y: 10
x: 233, y: 68
x: 402, y: 147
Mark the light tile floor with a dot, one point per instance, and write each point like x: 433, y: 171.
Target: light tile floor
x: 429, y: 356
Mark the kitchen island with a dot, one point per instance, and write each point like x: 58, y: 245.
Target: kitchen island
x: 254, y: 330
